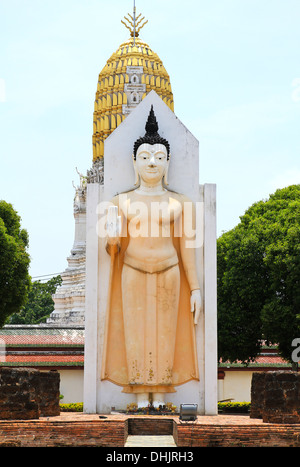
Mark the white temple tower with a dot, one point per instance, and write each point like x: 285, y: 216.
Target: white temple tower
x: 70, y: 297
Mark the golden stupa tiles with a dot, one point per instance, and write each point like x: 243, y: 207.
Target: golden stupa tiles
x: 131, y: 72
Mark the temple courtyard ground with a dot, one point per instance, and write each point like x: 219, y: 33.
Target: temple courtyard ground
x: 119, y: 430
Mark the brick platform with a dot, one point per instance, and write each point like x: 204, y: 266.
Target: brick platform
x: 71, y: 429
x: 26, y: 393
x: 275, y: 396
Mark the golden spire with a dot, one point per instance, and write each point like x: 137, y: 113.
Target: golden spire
x: 134, y: 23
x: 131, y: 72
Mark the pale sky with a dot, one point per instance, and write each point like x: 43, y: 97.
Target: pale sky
x: 235, y: 73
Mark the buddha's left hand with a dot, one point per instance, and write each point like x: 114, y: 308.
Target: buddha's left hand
x: 196, y: 304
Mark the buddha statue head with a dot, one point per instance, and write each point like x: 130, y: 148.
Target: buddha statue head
x: 151, y: 154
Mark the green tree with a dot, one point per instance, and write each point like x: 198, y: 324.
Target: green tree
x: 39, y: 304
x: 258, y: 278
x: 14, y: 262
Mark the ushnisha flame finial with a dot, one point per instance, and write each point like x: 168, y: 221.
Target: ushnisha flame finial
x: 134, y: 23
x: 151, y: 136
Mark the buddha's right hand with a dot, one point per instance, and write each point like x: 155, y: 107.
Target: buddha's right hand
x: 113, y: 226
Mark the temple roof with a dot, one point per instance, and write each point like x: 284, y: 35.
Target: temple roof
x: 267, y: 359
x: 39, y: 335
x: 43, y: 347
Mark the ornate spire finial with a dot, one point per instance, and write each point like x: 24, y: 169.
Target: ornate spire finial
x: 134, y: 23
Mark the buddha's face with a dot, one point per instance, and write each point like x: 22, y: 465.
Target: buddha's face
x: 151, y: 162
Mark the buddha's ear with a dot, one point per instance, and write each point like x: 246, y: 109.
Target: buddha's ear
x: 166, y: 174
x: 136, y: 174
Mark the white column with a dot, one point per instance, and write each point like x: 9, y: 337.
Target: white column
x: 91, y: 367
x: 210, y: 301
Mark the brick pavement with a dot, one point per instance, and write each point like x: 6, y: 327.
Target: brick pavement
x: 135, y: 441
x: 79, y: 429
x: 201, y: 419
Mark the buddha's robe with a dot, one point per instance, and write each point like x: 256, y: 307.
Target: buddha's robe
x: 149, y: 341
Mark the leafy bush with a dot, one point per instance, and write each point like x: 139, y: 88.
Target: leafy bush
x: 168, y: 408
x: 39, y: 304
x: 14, y: 262
x: 234, y: 407
x: 73, y: 407
x: 258, y: 279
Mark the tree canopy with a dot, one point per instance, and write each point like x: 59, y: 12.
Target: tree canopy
x: 259, y: 278
x: 14, y: 262
x: 39, y: 304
